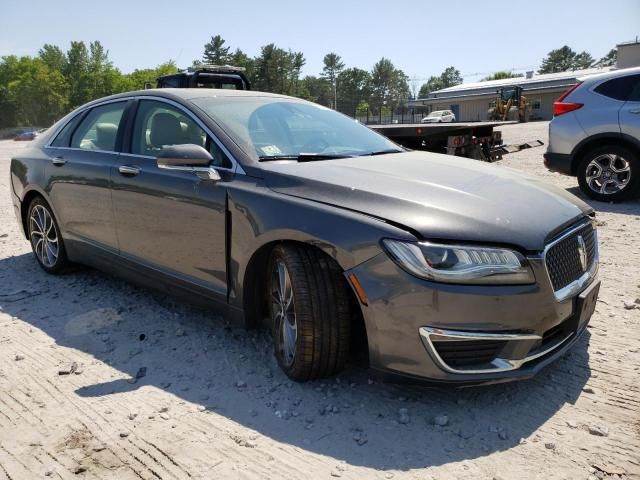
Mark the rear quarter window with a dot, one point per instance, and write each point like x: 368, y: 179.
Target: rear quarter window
x: 64, y: 135
x: 620, y: 88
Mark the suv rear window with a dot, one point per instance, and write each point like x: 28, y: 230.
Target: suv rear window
x: 620, y: 88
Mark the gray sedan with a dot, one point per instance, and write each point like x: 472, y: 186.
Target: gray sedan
x: 281, y: 212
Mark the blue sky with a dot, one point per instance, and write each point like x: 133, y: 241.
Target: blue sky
x: 420, y: 37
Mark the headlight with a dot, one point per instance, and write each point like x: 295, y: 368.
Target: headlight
x: 460, y: 263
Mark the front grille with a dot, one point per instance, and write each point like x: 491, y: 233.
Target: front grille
x: 466, y: 353
x: 563, y: 258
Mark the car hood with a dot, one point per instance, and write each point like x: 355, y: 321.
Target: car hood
x: 436, y: 196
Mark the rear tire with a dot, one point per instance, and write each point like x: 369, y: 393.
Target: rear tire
x: 44, y: 236
x: 309, y: 307
x: 609, y: 173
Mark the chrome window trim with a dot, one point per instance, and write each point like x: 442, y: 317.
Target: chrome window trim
x: 578, y: 284
x: 96, y: 150
x: 80, y: 112
x: 498, y: 364
x: 235, y: 168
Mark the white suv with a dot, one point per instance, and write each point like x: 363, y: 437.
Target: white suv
x: 595, y: 135
x: 439, y: 116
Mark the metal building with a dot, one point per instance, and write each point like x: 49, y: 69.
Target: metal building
x: 471, y: 101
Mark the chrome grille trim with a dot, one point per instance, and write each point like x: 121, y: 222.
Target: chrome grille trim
x: 579, y: 283
x: 498, y: 365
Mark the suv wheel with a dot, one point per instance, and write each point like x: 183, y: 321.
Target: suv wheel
x: 310, y: 312
x: 609, y: 173
x: 44, y: 236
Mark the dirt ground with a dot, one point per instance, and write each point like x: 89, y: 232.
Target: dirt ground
x: 164, y: 391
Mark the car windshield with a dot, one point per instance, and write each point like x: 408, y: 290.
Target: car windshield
x: 274, y: 128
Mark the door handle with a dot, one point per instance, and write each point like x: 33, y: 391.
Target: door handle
x: 635, y: 111
x: 128, y: 170
x: 58, y: 161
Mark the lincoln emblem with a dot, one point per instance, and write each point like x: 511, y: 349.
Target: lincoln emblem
x: 582, y: 251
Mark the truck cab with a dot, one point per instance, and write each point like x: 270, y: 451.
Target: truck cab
x: 207, y: 76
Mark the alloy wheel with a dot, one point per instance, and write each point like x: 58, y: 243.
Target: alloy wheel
x: 43, y: 236
x: 607, y: 174
x: 283, y: 312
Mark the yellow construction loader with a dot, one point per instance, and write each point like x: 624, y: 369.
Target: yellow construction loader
x: 510, y: 105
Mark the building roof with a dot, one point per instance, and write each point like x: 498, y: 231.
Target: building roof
x: 545, y: 80
x: 630, y: 42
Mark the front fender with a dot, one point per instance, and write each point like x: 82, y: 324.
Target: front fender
x: 260, y: 216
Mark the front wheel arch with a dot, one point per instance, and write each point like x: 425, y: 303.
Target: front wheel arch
x: 256, y: 308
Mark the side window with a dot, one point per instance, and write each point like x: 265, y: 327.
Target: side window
x: 158, y: 124
x: 99, y: 129
x: 619, y: 88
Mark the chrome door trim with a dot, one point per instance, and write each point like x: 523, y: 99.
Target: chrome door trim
x: 204, y: 173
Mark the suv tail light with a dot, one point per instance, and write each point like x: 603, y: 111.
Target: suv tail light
x: 560, y: 107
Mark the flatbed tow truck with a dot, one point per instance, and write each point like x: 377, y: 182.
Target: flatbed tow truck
x: 477, y: 140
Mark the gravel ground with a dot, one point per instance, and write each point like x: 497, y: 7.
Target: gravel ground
x: 164, y: 391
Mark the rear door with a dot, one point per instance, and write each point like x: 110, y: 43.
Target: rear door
x: 82, y: 157
x: 169, y: 220
x: 630, y: 111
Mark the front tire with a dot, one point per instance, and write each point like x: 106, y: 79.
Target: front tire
x: 309, y: 307
x: 609, y: 173
x: 44, y: 236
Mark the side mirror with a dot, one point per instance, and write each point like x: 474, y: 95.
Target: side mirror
x: 186, y: 155
x: 188, y: 158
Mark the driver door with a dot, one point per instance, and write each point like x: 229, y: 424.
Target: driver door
x: 168, y: 220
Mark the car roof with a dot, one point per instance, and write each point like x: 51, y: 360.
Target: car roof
x: 610, y: 74
x: 191, y: 93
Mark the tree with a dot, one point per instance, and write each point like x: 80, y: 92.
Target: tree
x: 53, y: 57
x: 564, y: 59
x: 240, y: 59
x: 278, y: 70
x: 451, y: 77
x: 610, y: 59
x: 137, y: 79
x: 31, y: 93
x: 317, y: 89
x: 333, y: 65
x: 103, y: 77
x: 583, y: 60
x: 389, y: 85
x: 500, y: 75
x: 77, y: 74
x: 448, y: 78
x: 433, y: 84
x: 215, y: 52
x: 36, y: 91
x: 354, y: 89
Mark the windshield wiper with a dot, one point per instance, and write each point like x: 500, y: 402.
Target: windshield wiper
x: 304, y: 157
x: 381, y: 152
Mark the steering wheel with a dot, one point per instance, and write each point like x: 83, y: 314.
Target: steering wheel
x: 317, y: 145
